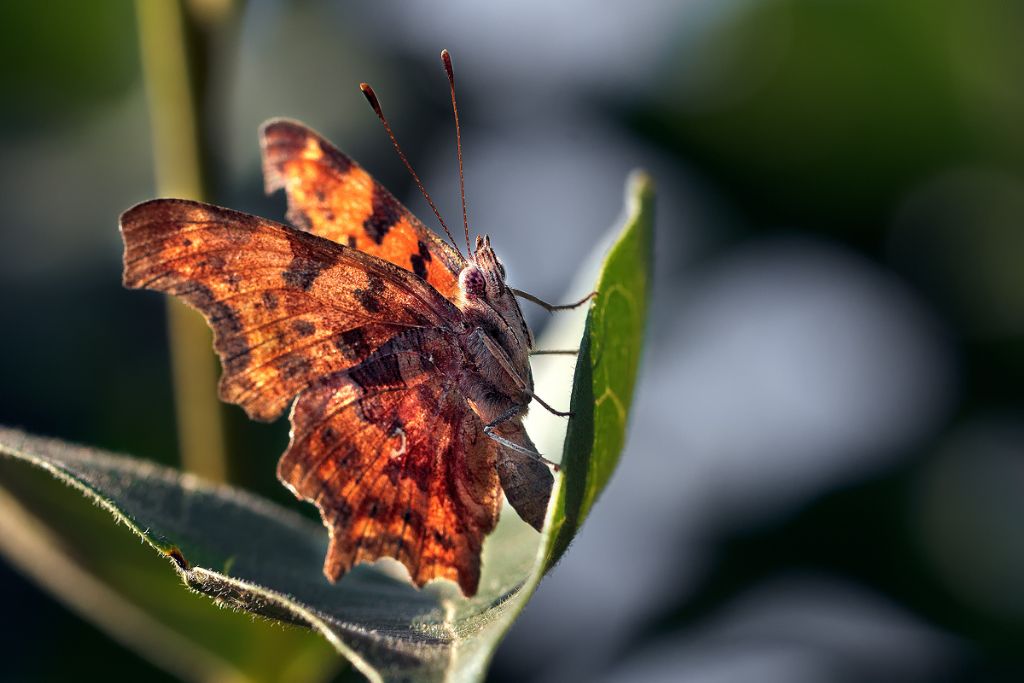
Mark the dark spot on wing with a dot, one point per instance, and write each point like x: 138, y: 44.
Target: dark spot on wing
x: 418, y: 266
x: 369, y: 298
x: 269, y: 300
x: 232, y: 344
x: 212, y: 262
x: 352, y: 241
x: 234, y: 351
x: 424, y: 251
x: 307, y: 261
x: 303, y: 328
x: 221, y: 316
x: 420, y: 260
x: 335, y: 159
x: 443, y: 541
x: 352, y: 343
x: 339, y: 509
x: 386, y: 212
x: 292, y: 365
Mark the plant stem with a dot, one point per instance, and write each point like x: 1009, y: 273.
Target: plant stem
x: 174, y: 108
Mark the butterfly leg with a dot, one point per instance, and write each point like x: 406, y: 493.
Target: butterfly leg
x: 550, y: 308
x: 551, y: 410
x: 555, y: 352
x: 506, y: 364
x: 489, y: 430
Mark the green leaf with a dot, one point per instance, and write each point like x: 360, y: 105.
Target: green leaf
x: 251, y: 555
x: 606, y: 369
x: 68, y: 546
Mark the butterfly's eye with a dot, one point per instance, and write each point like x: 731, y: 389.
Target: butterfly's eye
x: 472, y: 283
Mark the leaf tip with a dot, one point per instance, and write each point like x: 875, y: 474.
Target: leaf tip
x: 640, y: 185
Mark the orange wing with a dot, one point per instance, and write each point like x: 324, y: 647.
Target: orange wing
x: 287, y: 308
x: 332, y: 196
x: 397, y: 464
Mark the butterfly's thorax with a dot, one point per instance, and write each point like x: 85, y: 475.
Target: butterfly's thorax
x: 498, y: 340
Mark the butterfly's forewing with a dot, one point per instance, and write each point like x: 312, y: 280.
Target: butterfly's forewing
x: 287, y: 308
x: 397, y: 464
x: 332, y: 196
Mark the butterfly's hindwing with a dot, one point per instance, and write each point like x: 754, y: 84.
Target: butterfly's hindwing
x: 397, y: 465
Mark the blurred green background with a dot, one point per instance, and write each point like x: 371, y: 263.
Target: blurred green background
x: 824, y: 476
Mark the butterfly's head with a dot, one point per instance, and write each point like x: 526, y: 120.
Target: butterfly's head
x: 484, y: 277
x: 486, y: 297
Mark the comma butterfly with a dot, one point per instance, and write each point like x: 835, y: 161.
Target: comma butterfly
x: 407, y: 362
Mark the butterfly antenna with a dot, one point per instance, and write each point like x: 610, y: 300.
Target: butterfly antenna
x: 372, y: 99
x: 446, y: 59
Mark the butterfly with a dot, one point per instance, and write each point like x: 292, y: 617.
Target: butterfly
x: 406, y: 364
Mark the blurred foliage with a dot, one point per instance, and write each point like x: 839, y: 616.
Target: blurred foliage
x: 62, y: 58
x: 824, y: 114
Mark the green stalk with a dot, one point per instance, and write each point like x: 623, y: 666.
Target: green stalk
x: 175, y: 106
